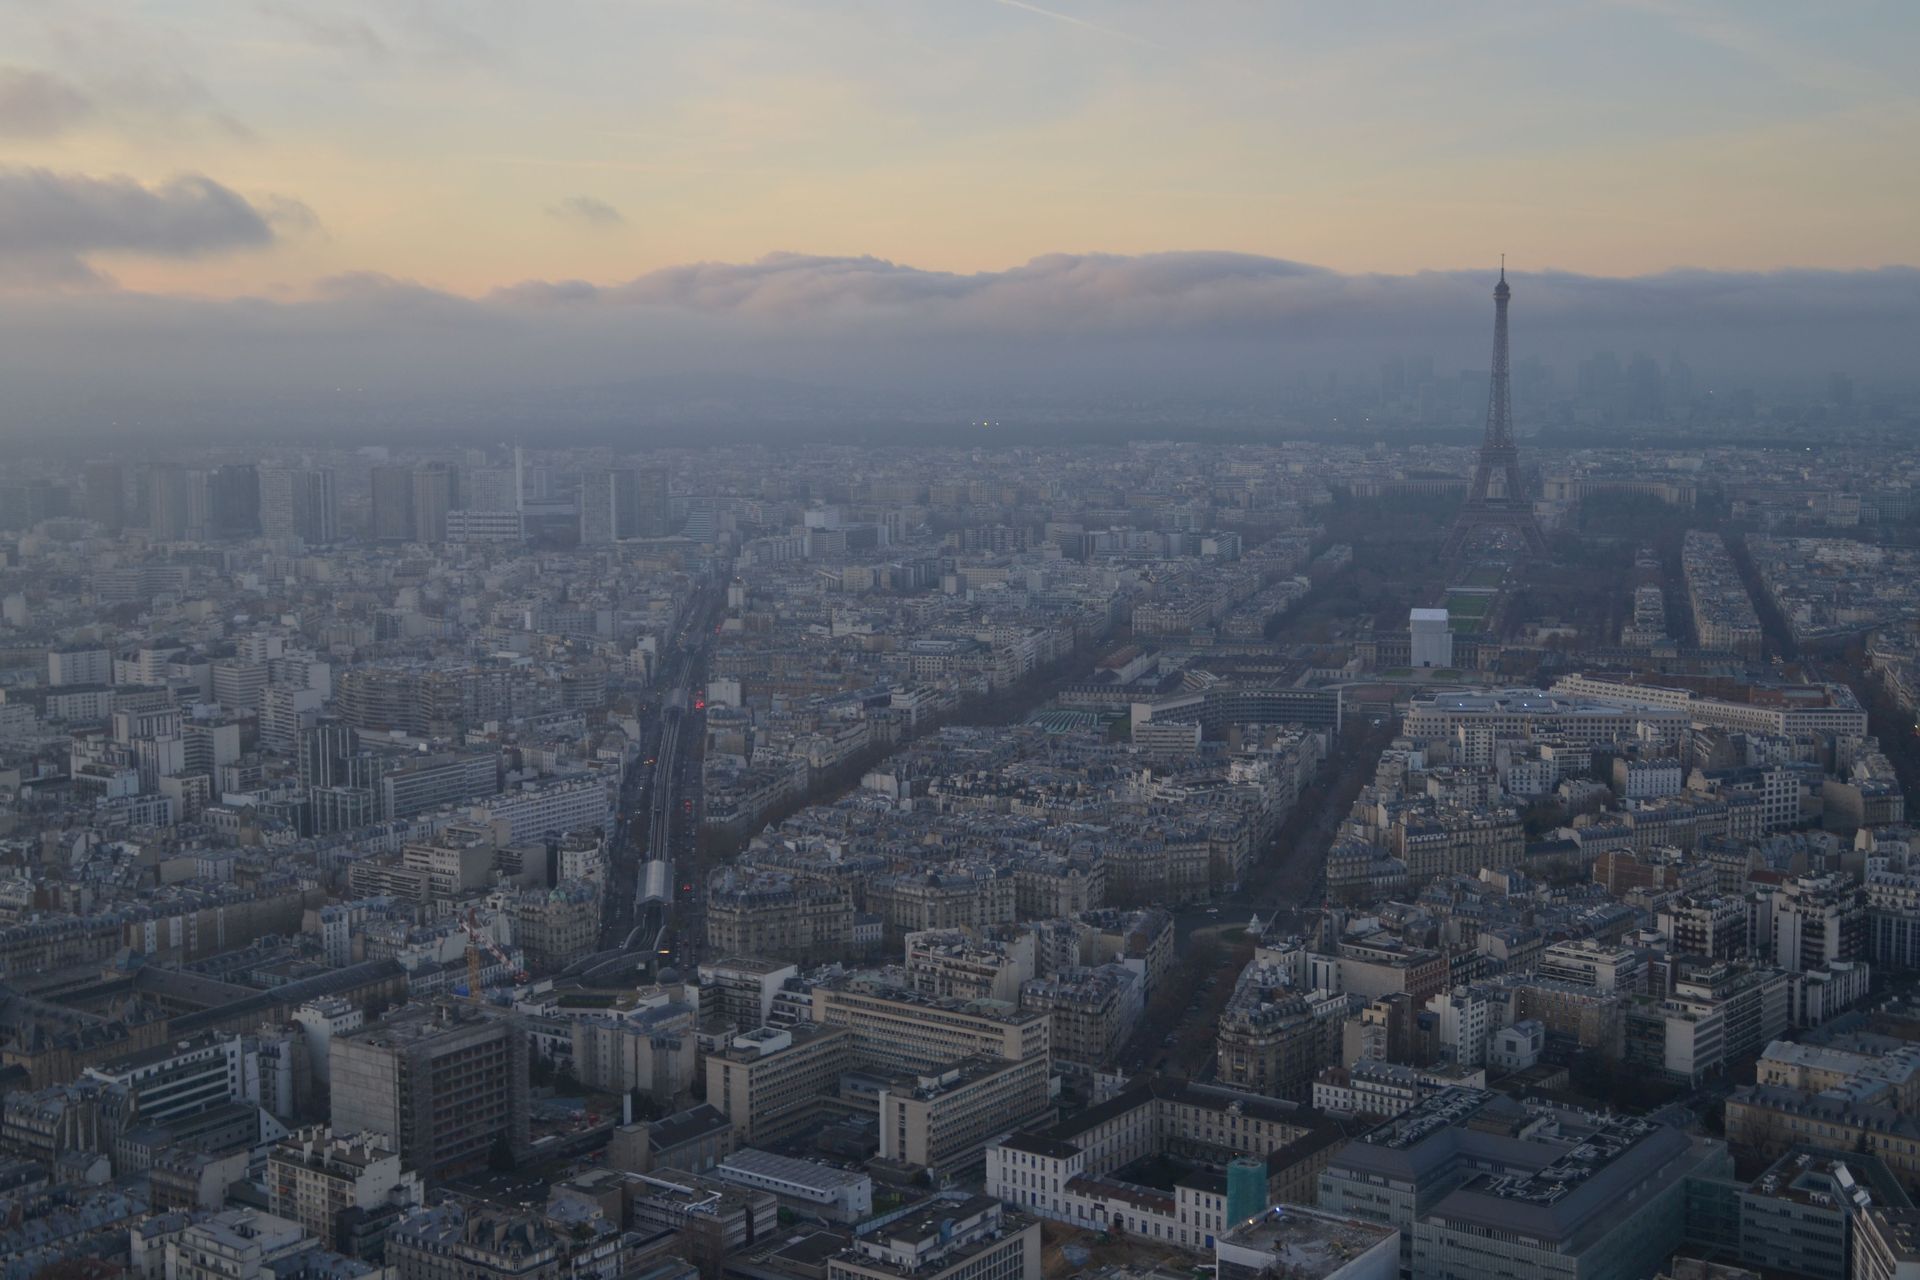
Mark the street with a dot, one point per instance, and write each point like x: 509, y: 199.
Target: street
x: 1176, y: 1034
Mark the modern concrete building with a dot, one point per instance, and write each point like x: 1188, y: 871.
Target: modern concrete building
x: 804, y: 1186
x: 1798, y: 1217
x: 1886, y: 1244
x: 769, y: 1080
x: 696, y: 1139
x: 1295, y: 1243
x: 1716, y: 1015
x: 1479, y: 1185
x: 900, y: 1030
x: 971, y: 1239
x: 942, y: 1120
x: 1431, y: 638
x: 445, y: 1082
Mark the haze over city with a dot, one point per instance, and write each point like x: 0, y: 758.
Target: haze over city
x: 888, y: 204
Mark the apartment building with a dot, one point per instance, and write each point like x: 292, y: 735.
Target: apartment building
x: 454, y: 1242
x: 345, y: 1190
x: 1716, y: 1015
x: 1094, y: 1011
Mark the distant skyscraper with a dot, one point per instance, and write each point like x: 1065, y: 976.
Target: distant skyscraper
x: 1840, y: 390
x: 169, y: 501
x: 654, y: 506
x: 436, y: 491
x: 609, y: 505
x: 106, y: 494
x: 490, y: 489
x: 391, y: 518
x: 299, y: 503
x: 233, y: 501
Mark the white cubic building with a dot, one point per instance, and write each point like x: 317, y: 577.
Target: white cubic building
x: 1432, y: 639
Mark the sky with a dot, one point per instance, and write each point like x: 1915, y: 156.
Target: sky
x: 179, y: 170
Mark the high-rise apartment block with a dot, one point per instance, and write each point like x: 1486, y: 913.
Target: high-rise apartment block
x: 299, y: 503
x: 446, y: 1082
x: 391, y: 516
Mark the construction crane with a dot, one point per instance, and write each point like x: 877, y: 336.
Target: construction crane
x: 477, y: 938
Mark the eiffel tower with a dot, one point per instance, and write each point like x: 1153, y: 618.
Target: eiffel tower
x: 1497, y: 499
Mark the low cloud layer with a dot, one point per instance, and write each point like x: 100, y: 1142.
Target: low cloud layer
x: 587, y: 211
x: 50, y: 222
x: 872, y: 336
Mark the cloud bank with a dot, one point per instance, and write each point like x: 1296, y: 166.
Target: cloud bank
x: 881, y: 337
x: 50, y: 222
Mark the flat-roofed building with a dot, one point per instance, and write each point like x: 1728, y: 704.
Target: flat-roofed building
x: 942, y: 1120
x: 1886, y: 1244
x: 806, y: 1186
x: 971, y: 1239
x: 769, y: 1080
x: 900, y: 1030
x: 445, y: 1082
x: 1297, y: 1243
x: 1479, y: 1185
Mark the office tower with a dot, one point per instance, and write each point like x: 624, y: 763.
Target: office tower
x: 168, y: 501
x: 652, y: 505
x: 596, y: 509
x: 28, y: 502
x: 519, y: 478
x: 436, y: 491
x: 446, y: 1082
x: 1497, y: 499
x: 609, y: 498
x: 625, y: 485
x: 199, y: 503
x: 330, y: 756
x: 325, y: 750
x: 391, y: 518
x: 106, y: 485
x: 490, y: 489
x: 299, y: 503
x: 233, y: 501
x: 340, y: 781
x: 277, y: 501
